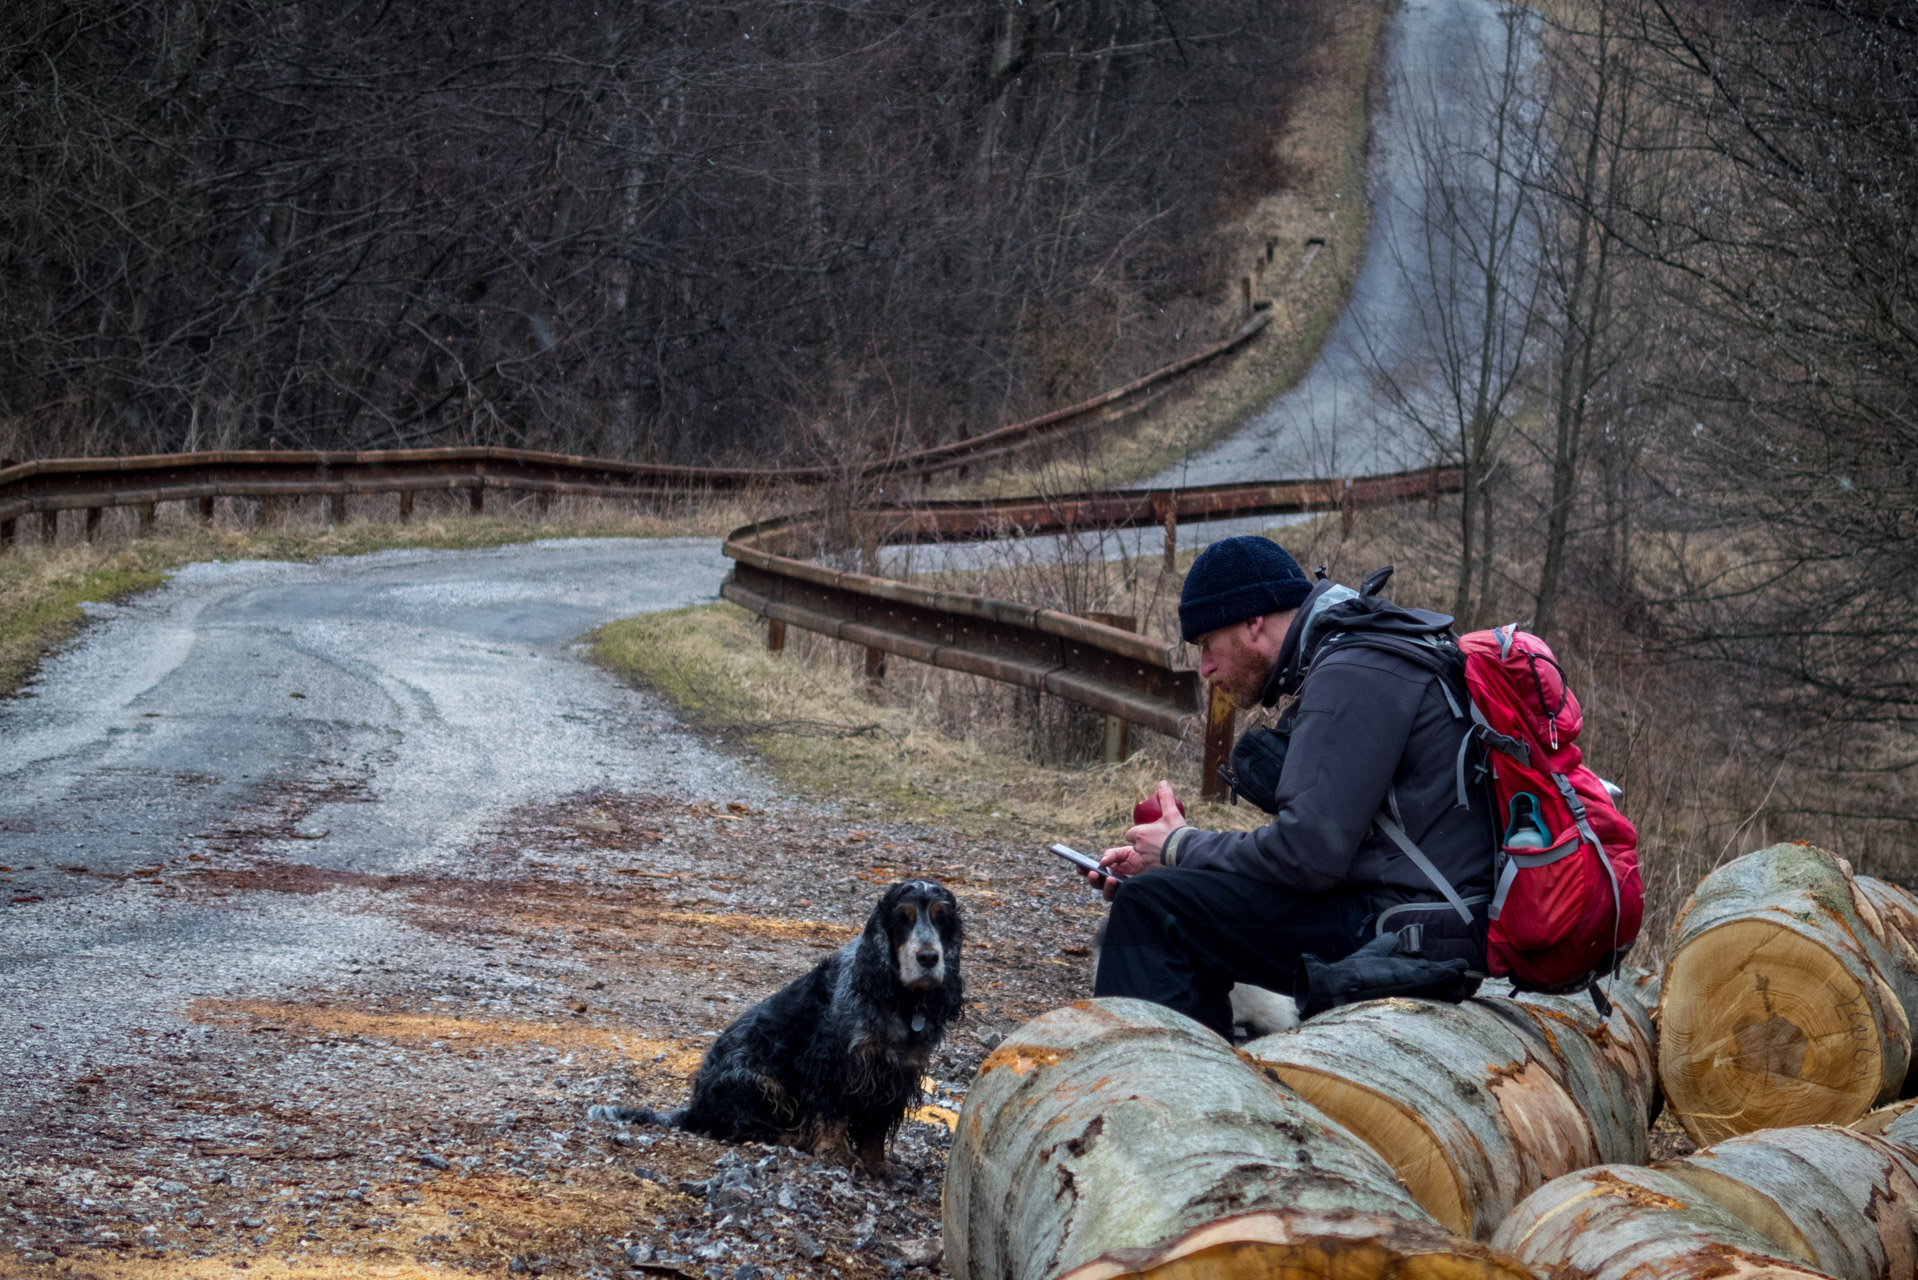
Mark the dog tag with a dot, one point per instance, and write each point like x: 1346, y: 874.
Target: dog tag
x: 918, y: 1022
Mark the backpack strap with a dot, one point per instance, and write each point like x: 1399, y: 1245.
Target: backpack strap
x: 1569, y: 794
x: 1394, y: 831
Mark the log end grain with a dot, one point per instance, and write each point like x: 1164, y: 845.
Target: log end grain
x: 1116, y: 1137
x: 1292, y: 1246
x: 1761, y: 1026
x: 1393, y: 1129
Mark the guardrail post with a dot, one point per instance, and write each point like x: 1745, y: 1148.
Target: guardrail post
x: 93, y: 524
x: 206, y: 511
x: 875, y: 664
x: 49, y: 527
x: 775, y: 635
x: 145, y: 510
x: 406, y: 505
x: 1220, y: 715
x: 1345, y: 509
x: 1118, y: 738
x: 1167, y: 509
x: 6, y: 533
x: 478, y: 499
x: 336, y: 508
x: 1245, y: 289
x: 543, y: 501
x: 269, y: 510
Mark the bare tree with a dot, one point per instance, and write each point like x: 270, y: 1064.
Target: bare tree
x: 1467, y: 255
x: 676, y: 231
x: 1599, y: 123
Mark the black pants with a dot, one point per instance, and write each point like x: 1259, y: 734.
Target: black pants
x: 1181, y: 937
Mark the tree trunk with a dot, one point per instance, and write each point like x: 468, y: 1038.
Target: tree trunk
x: 1775, y: 1007
x: 1835, y: 1198
x: 1477, y: 1105
x: 1116, y: 1137
x: 1619, y: 1222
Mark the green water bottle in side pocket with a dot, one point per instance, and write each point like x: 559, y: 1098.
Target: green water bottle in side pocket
x: 1525, y: 824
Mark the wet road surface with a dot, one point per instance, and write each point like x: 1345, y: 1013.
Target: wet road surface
x: 1336, y: 421
x: 367, y: 715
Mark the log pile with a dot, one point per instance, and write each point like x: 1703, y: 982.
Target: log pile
x: 1780, y: 1005
x: 1477, y: 1105
x: 1118, y: 1138
x: 1810, y: 1201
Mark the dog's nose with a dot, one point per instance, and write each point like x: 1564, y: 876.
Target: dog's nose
x: 928, y: 958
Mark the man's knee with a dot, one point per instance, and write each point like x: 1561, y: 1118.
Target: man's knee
x: 1140, y: 909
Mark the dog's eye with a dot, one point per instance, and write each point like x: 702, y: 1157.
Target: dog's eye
x: 910, y: 912
x: 938, y: 910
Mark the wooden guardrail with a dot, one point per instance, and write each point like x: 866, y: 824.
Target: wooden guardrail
x: 1131, y: 677
x: 50, y: 486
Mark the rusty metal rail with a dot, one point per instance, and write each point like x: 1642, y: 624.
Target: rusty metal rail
x: 1131, y: 677
x: 51, y: 486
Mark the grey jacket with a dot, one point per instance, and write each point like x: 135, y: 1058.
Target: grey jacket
x: 1369, y: 725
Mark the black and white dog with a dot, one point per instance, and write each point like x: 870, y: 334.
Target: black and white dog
x: 832, y: 1062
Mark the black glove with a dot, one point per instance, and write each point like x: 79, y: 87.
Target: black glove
x: 1373, y: 972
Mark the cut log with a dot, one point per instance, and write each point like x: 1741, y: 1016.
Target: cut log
x: 1118, y: 1138
x: 1876, y: 1122
x: 1897, y: 913
x: 1775, y: 1009
x: 1621, y: 1222
x: 1834, y: 1198
x: 1476, y: 1105
x: 1901, y: 1130
x: 1644, y: 985
x: 1816, y: 1199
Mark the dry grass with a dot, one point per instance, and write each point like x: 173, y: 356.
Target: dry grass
x: 928, y: 743
x: 1698, y: 785
x: 43, y: 589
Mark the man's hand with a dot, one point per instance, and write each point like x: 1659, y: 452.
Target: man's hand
x: 1140, y: 852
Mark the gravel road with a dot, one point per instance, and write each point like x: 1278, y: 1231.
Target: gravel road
x: 1335, y: 422
x: 336, y: 892
x: 371, y: 714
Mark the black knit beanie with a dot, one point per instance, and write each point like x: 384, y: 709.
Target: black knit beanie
x: 1239, y: 578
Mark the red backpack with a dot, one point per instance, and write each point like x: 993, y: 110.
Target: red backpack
x: 1568, y: 900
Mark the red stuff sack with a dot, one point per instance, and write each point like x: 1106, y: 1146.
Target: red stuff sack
x: 1568, y: 901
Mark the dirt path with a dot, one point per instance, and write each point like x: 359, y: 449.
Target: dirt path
x: 337, y: 892
x: 419, y: 1108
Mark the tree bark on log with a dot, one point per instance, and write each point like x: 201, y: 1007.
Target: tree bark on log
x: 1621, y: 1222
x: 1874, y: 1123
x: 1897, y: 912
x: 1775, y: 1008
x: 1901, y: 1130
x: 1816, y: 1199
x: 1118, y: 1138
x: 1476, y: 1105
x: 1834, y: 1198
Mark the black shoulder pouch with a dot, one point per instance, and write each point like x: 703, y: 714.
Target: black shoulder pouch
x: 1258, y: 758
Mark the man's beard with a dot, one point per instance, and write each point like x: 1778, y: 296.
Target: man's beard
x: 1243, y: 689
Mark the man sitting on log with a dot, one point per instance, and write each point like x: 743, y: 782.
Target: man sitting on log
x: 1374, y: 875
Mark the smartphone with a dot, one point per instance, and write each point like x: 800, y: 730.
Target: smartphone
x: 1084, y: 862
